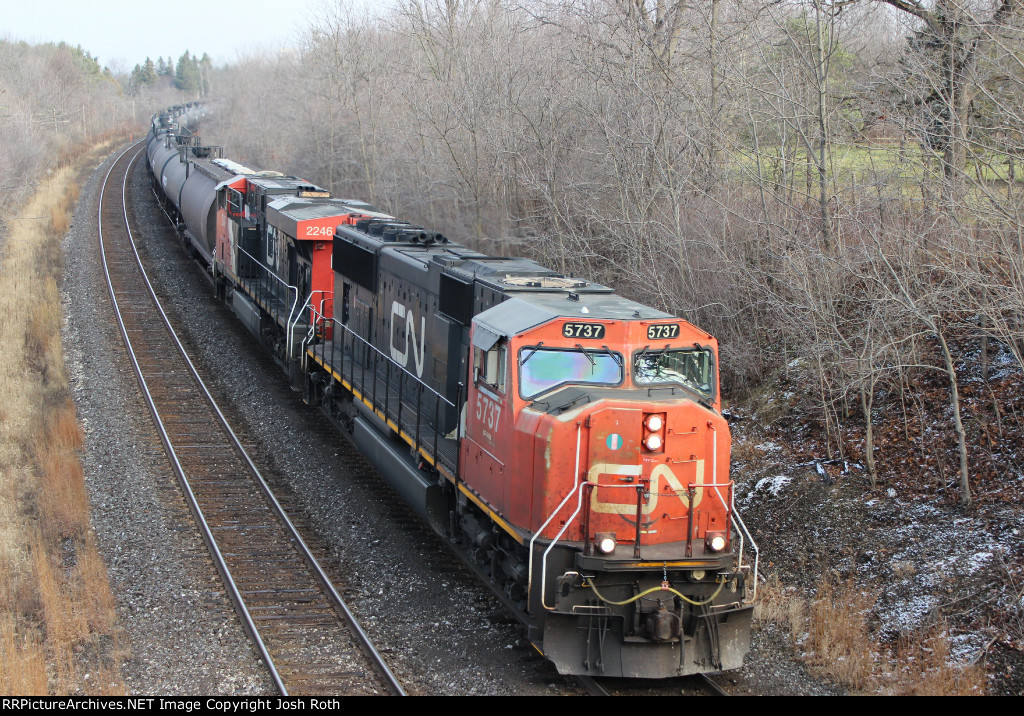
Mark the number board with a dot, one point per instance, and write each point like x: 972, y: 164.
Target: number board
x: 318, y: 231
x: 583, y: 330
x: 663, y: 331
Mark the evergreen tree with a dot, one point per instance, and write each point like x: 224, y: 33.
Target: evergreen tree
x: 144, y: 75
x: 149, y: 74
x: 186, y: 76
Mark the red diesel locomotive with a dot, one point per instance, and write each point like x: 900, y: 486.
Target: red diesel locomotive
x: 566, y: 441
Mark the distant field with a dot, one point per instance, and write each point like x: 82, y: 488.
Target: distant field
x: 877, y: 165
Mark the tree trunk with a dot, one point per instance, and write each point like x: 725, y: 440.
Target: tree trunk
x: 821, y: 72
x: 961, y: 434
x: 866, y: 399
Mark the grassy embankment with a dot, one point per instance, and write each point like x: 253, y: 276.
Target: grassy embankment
x: 58, y: 632
x: 831, y: 634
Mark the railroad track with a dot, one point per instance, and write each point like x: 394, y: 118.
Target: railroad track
x: 711, y: 685
x: 302, y: 629
x: 593, y: 687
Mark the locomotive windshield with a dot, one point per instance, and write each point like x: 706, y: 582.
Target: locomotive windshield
x: 541, y: 369
x: 693, y: 368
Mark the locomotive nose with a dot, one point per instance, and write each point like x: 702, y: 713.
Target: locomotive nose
x: 651, y: 472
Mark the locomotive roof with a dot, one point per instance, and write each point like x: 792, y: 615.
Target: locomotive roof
x: 301, y: 208
x: 282, y: 183
x: 506, y: 274
x: 534, y: 293
x: 287, y: 212
x: 211, y: 168
x: 524, y: 311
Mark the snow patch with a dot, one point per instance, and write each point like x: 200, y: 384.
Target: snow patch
x: 909, y: 613
x: 977, y: 561
x: 964, y: 647
x: 774, y: 485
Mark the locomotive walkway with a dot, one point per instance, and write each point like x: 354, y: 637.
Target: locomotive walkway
x: 407, y: 405
x: 300, y: 626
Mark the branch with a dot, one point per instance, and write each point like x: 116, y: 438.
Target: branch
x: 913, y: 7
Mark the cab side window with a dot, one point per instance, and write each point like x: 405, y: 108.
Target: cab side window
x: 489, y: 366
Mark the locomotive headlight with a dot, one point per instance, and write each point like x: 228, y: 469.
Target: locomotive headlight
x: 716, y: 541
x: 697, y: 575
x: 655, y: 423
x: 653, y: 442
x: 605, y: 542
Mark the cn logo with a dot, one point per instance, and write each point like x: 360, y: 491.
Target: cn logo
x: 404, y: 321
x: 658, y: 474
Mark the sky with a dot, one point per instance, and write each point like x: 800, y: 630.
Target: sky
x: 122, y: 33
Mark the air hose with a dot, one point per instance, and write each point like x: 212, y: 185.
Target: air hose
x: 721, y: 584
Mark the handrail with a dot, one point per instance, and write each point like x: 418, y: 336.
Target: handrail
x: 270, y: 272
x: 391, y: 369
x: 293, y: 321
x: 544, y: 562
x: 576, y: 477
x: 580, y: 488
x: 734, y: 515
x: 355, y: 336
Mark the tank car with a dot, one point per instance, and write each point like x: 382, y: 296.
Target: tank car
x: 566, y: 441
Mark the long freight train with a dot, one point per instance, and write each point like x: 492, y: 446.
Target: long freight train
x: 567, y: 442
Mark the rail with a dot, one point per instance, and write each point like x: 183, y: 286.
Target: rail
x: 169, y: 339
x: 204, y: 528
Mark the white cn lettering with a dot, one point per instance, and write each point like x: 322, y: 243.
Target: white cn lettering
x: 418, y: 346
x: 660, y: 472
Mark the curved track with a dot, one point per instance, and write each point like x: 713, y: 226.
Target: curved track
x: 304, y: 632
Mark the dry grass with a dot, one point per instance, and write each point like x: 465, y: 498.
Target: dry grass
x: 62, y: 496
x: 63, y: 501
x: 59, y: 616
x: 838, y: 642
x: 22, y: 661
x: 63, y: 430
x: 774, y: 601
x: 58, y: 630
x: 832, y: 634
x: 924, y: 662
x: 94, y: 596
